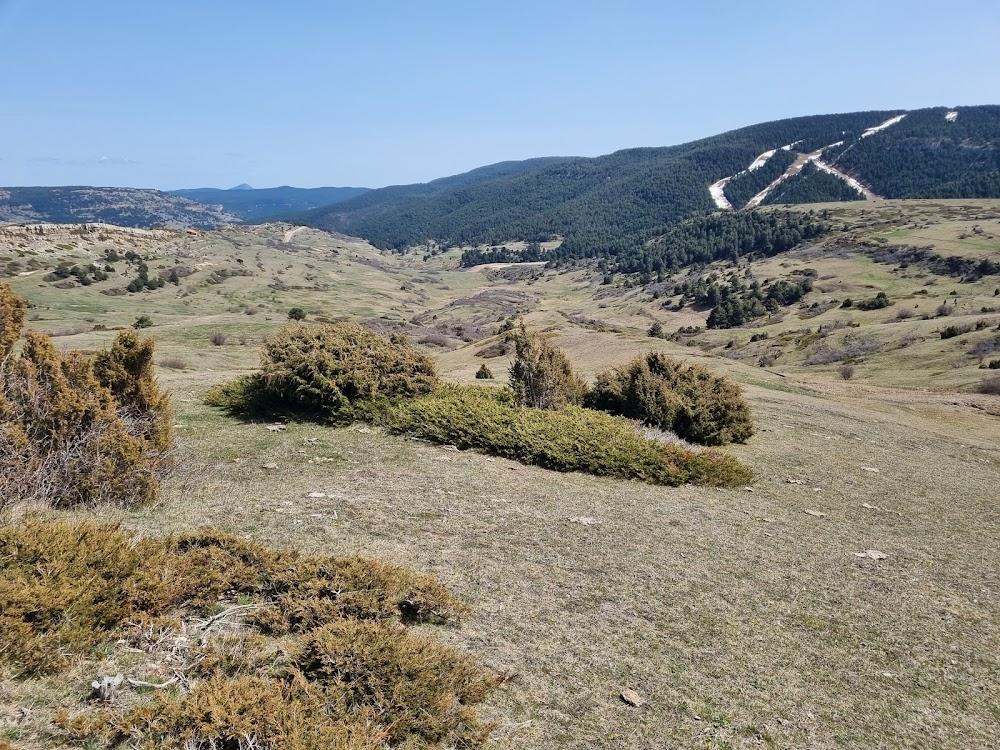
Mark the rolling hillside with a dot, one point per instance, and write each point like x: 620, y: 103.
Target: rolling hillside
x: 609, y: 205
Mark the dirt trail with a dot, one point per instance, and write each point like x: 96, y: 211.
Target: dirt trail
x: 291, y: 233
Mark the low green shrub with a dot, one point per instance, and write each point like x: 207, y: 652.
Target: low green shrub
x: 567, y: 439
x: 333, y: 373
x: 878, y: 302
x: 328, y: 371
x: 957, y: 330
x: 688, y: 400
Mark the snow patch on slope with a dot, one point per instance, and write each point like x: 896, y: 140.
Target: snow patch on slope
x: 822, y: 165
x: 718, y: 194
x: 799, y: 164
x: 718, y: 189
x: 887, y: 124
x: 761, y: 160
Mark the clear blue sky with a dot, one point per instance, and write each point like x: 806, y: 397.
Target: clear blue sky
x: 217, y: 92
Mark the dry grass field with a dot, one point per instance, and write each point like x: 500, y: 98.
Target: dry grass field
x: 848, y: 597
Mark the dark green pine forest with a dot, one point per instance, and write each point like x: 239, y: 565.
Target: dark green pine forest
x: 745, y: 186
x: 600, y: 202
x: 812, y: 185
x: 625, y: 207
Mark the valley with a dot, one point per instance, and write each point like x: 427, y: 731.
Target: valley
x: 747, y: 617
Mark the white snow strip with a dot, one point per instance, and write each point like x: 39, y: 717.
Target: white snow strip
x: 822, y: 165
x: 887, y: 124
x: 792, y: 170
x: 797, y: 166
x: 761, y: 160
x: 718, y: 194
x: 951, y: 116
x: 790, y: 146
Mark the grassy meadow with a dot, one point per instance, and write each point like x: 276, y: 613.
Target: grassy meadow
x: 755, y: 617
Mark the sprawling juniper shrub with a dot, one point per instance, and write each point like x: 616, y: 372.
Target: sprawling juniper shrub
x: 348, y: 674
x: 567, y: 439
x: 688, y: 400
x: 331, y: 373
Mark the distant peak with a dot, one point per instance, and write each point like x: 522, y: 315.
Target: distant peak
x: 242, y: 186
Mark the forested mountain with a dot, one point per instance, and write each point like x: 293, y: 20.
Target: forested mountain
x: 127, y: 207
x: 929, y: 150
x: 812, y: 185
x: 252, y: 205
x: 610, y: 206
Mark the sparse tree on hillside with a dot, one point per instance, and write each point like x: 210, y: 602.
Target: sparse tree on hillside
x: 541, y: 375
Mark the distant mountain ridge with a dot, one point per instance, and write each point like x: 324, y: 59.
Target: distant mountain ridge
x: 253, y: 204
x: 606, y: 205
x: 126, y: 207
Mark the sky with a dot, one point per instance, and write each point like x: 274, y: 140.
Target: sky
x: 213, y: 93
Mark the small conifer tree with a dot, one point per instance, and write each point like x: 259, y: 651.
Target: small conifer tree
x: 541, y: 375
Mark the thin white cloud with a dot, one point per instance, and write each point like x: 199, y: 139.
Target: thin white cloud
x: 106, y: 161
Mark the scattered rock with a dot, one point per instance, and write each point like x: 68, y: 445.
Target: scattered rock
x: 870, y: 469
x: 795, y: 481
x: 450, y: 447
x: 365, y: 430
x: 870, y: 507
x: 269, y: 467
x: 276, y: 427
x: 312, y: 440
x: 815, y: 513
x: 633, y: 698
x: 873, y: 554
x: 316, y: 495
x: 106, y: 688
x: 584, y: 520
x: 749, y: 489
